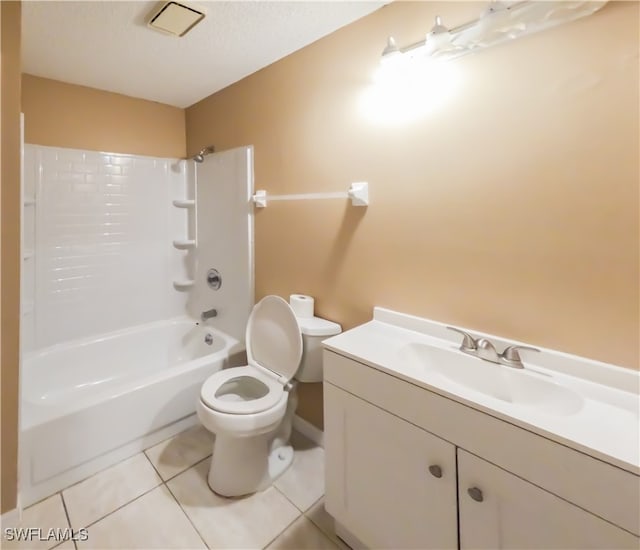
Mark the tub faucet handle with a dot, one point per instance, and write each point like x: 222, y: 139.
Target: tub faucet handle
x: 468, y: 342
x: 511, y: 356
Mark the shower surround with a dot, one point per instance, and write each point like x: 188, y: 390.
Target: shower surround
x: 113, y: 355
x: 99, y: 230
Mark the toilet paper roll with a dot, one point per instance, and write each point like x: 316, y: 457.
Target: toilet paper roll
x: 301, y: 305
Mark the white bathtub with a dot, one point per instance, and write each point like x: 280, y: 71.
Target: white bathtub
x: 91, y: 403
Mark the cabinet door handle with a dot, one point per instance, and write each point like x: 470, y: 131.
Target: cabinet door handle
x: 475, y: 494
x: 435, y: 470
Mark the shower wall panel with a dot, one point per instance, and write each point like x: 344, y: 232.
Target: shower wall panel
x: 102, y: 253
x: 224, y: 234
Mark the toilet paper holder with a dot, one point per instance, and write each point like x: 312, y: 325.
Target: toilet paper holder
x: 358, y: 193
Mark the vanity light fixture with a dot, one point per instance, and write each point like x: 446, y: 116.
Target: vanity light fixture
x: 499, y: 22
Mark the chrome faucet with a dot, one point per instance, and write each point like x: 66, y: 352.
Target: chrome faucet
x: 208, y: 314
x: 484, y: 349
x: 511, y: 357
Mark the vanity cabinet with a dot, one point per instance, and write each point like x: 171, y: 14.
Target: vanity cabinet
x: 499, y: 510
x: 409, y: 468
x: 392, y: 483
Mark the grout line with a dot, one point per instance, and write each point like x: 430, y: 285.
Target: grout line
x: 189, y: 467
x: 286, y: 497
x: 322, y: 533
x: 335, y: 539
x: 300, y: 513
x: 181, y: 471
x: 66, y: 513
x: 123, y: 505
x: 313, y: 506
x: 187, y: 515
x: 163, y: 482
x: 94, y: 473
x: 275, y: 486
x: 61, y: 543
x: 153, y: 465
x: 281, y: 532
x: 162, y: 441
x: 143, y: 452
x: 330, y: 535
x: 128, y: 502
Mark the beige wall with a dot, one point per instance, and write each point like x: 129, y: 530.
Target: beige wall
x: 511, y: 209
x: 10, y: 18
x: 67, y: 115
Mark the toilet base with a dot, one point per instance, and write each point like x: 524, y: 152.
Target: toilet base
x: 241, y: 466
x: 245, y: 465
x: 279, y: 460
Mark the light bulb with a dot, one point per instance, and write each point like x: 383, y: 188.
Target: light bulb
x: 438, y: 38
x: 391, y: 51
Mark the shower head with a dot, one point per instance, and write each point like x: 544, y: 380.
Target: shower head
x: 204, y: 151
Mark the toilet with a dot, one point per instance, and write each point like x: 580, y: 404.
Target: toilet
x: 250, y: 409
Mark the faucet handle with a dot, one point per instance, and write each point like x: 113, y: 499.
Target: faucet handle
x: 511, y: 355
x: 468, y: 342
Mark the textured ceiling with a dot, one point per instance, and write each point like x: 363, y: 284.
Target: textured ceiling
x: 107, y: 44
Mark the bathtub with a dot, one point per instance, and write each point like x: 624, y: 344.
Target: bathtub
x: 91, y: 403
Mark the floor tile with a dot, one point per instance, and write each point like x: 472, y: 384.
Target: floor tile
x: 48, y: 514
x: 302, y: 535
x: 181, y: 452
x: 303, y: 482
x: 246, y: 522
x: 154, y: 520
x: 325, y: 522
x: 102, y: 493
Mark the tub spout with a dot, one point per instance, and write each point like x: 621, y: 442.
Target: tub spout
x: 208, y: 314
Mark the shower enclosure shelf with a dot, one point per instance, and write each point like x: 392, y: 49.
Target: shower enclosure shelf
x: 188, y: 242
x: 27, y: 308
x: 184, y: 244
x: 29, y: 201
x: 27, y: 253
x: 184, y: 203
x: 183, y: 285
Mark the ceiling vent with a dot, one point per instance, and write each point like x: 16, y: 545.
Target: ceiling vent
x: 175, y: 18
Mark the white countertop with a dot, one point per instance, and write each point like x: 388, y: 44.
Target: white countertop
x: 606, y: 427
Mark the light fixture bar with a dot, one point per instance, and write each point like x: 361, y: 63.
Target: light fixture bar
x: 501, y: 22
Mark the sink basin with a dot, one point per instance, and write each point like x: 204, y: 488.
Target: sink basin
x: 515, y: 386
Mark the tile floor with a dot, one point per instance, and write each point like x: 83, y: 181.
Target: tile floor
x: 160, y: 499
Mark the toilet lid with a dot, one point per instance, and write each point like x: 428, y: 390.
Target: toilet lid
x: 273, y: 337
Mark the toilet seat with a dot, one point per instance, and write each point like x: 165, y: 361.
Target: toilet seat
x: 274, y: 391
x: 274, y: 350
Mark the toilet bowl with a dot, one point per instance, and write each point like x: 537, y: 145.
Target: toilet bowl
x: 250, y: 409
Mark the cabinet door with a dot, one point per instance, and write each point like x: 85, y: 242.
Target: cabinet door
x: 379, y: 484
x: 504, y: 511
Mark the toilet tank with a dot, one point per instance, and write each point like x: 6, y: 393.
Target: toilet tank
x: 314, y: 330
